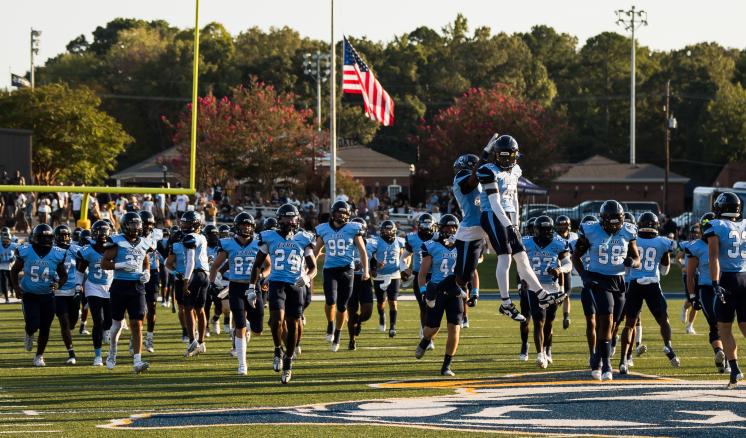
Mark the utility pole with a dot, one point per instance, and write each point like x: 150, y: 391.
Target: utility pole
x: 670, y: 124
x: 333, y: 117
x: 630, y: 20
x: 35, y: 34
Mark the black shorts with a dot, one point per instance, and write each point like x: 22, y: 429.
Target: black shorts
x: 38, y: 312
x: 392, y: 291
x: 605, y: 294
x: 503, y: 240
x: 453, y: 307
x: 162, y: 277
x: 151, y: 287
x: 197, y: 296
x: 651, y: 294
x: 338, y: 287
x: 467, y: 258
x: 307, y: 296
x: 67, y: 307
x: 735, y: 299
x: 178, y: 291
x: 362, y: 293
x: 241, y: 309
x: 287, y: 297
x: 537, y: 313
x: 708, y: 298
x: 525, y: 304
x: 129, y: 296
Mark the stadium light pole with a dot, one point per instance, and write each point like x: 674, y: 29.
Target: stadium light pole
x: 35, y: 34
x: 333, y: 116
x: 316, y: 65
x: 630, y: 20
x: 670, y: 124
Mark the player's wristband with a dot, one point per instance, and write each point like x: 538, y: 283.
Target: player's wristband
x: 423, y: 289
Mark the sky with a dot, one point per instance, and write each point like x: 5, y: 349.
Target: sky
x: 672, y: 23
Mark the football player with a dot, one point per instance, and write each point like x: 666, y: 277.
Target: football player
x: 39, y: 260
x: 213, y: 300
x: 339, y: 236
x: 562, y: 228
x: 360, y: 307
x: 96, y: 285
x: 128, y: 255
x: 67, y: 298
x: 525, y: 305
x: 499, y: 204
x: 586, y: 298
x: 7, y: 257
x: 439, y: 260
x: 469, y: 237
x: 240, y: 252
x: 645, y: 286
x: 726, y: 239
x: 413, y: 245
x: 163, y: 274
x: 688, y: 312
x: 191, y: 278
x: 151, y: 287
x: 549, y: 256
x: 388, y: 254
x: 290, y: 252
x: 612, y: 246
x: 701, y: 294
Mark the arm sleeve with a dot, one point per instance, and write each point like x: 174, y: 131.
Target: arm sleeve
x: 565, y: 264
x: 189, y: 263
x: 487, y: 177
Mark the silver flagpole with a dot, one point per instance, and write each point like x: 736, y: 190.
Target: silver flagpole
x: 333, y: 119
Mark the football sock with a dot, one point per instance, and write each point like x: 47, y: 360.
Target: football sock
x: 424, y: 343
x: 97, y: 352
x: 381, y: 317
x: 734, y: 370
x: 446, y: 362
x: 502, y: 274
x: 392, y: 315
x: 240, y: 344
x: 278, y: 351
x: 524, y: 347
x: 523, y: 266
x: 329, y: 327
x: 638, y: 335
x: 149, y: 335
x: 336, y: 336
x: 71, y: 352
x: 136, y: 358
x: 114, y: 332
x: 183, y: 332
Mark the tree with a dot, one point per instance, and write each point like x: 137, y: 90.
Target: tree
x: 474, y: 117
x: 74, y: 141
x: 725, y: 124
x: 256, y: 134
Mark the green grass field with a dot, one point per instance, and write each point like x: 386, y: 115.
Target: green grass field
x: 74, y: 399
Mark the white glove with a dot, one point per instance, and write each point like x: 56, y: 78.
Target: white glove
x: 251, y: 295
x: 145, y: 276
x: 129, y: 266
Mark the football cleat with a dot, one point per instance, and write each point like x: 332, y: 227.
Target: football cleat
x: 141, y: 366
x: 419, y: 352
x: 675, y: 362
x: 431, y: 345
x: 690, y: 330
x: 39, y: 361
x: 720, y: 361
x: 98, y: 361
x: 641, y: 349
x: 382, y: 327
x: 298, y: 350
x: 111, y: 360
x: 523, y: 357
x: 510, y: 310
x: 465, y: 323
x: 286, y: 376
x: 329, y: 337
x: 392, y: 332
x: 623, y: 368
x: 335, y: 347
x: 630, y: 362
x: 447, y: 372
x: 548, y: 356
x: 192, y: 349
x: 216, y: 327
x: 596, y: 374
x: 227, y: 328
x: 28, y: 343
x: 71, y: 360
x: 541, y: 361
x: 566, y: 323
x: 202, y: 348
x: 277, y: 364
x: 351, y: 346
x: 242, y: 370
x: 607, y: 376
x: 149, y: 345
x: 84, y: 331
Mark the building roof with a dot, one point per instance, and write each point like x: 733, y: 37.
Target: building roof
x: 599, y: 169
x: 363, y: 162
x: 149, y: 169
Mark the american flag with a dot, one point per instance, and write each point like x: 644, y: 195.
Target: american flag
x: 358, y: 79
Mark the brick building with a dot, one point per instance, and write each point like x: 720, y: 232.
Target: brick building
x: 600, y: 178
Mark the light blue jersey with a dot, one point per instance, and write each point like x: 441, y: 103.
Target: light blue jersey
x: 443, y: 259
x: 469, y: 202
x: 544, y: 258
x: 732, y: 237
x: 128, y: 252
x: 240, y: 258
x: 96, y: 274
x: 507, y: 185
x: 39, y: 272
x: 7, y: 255
x: 179, y: 251
x: 70, y: 256
x: 369, y: 249
x: 699, y: 249
x: 413, y: 244
x: 683, y: 246
x: 339, y: 244
x: 388, y: 254
x: 651, y: 251
x: 607, y: 253
x: 286, y: 254
x: 153, y: 241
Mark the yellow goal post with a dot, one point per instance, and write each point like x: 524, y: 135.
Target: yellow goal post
x: 87, y: 190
